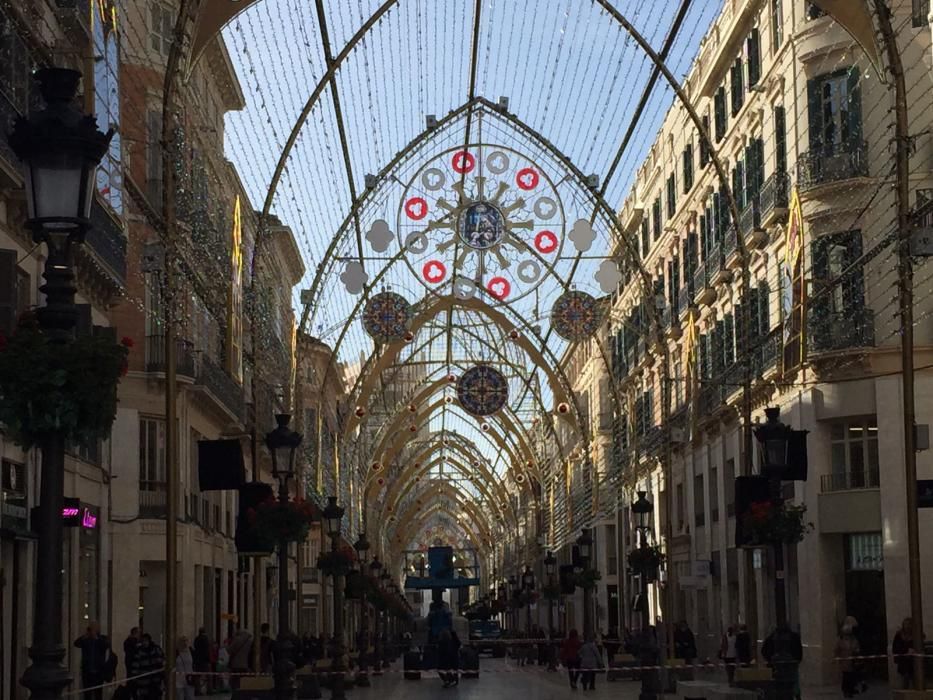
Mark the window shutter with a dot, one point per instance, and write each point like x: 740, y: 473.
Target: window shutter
x: 814, y: 113
x: 780, y: 140
x: 8, y: 285
x: 853, y: 286
x: 688, y: 168
x: 719, y: 106
x: 738, y: 89
x: 754, y: 313
x: 675, y: 282
x: 764, y: 308
x: 645, y: 239
x: 719, y: 345
x: 854, y: 91
x: 729, y: 328
x: 758, y: 148
x: 704, y: 148
x: 739, y: 184
x: 753, y: 50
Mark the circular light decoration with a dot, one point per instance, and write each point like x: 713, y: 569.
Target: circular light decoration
x: 386, y: 317
x: 563, y: 407
x: 482, y: 390
x: 376, y: 466
x: 520, y: 479
x: 483, y: 220
x: 360, y: 411
x: 576, y: 316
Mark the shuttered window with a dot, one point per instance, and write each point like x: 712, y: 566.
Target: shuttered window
x: 719, y: 113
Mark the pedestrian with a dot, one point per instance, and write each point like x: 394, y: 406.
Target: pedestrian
x: 728, y: 652
x: 448, y: 657
x: 97, y: 661
x: 591, y: 661
x: 611, y: 644
x: 903, y: 647
x: 201, y: 659
x: 743, y: 646
x: 148, y: 662
x: 223, y: 668
x: 129, y: 648
x: 184, y: 670
x: 265, y: 648
x: 570, y: 657
x: 847, y: 647
x: 685, y: 645
x: 784, y: 652
x: 239, y: 651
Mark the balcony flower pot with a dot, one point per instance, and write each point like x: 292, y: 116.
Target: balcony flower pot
x: 49, y: 389
x: 338, y: 563
x: 587, y: 578
x: 768, y: 524
x: 646, y: 561
x: 274, y: 522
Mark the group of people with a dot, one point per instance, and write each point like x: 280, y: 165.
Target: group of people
x: 583, y: 660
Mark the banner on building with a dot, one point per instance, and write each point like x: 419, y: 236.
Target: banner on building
x: 793, y: 291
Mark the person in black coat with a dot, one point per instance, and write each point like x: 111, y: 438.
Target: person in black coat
x: 201, y: 660
x: 95, y: 660
x: 743, y: 646
x: 149, y: 659
x: 448, y: 657
x: 129, y: 648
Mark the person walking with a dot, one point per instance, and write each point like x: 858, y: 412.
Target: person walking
x: 129, y: 648
x: 184, y: 670
x: 148, y: 661
x: 728, y: 652
x: 743, y: 646
x: 265, y: 649
x: 95, y: 661
x: 903, y: 647
x: 448, y: 657
x: 784, y: 652
x: 847, y: 647
x: 201, y: 660
x: 239, y: 652
x: 591, y: 661
x: 570, y: 657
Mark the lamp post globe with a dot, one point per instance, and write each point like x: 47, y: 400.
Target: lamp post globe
x: 333, y: 519
x: 362, y: 550
x: 60, y: 148
x: 282, y: 443
x: 773, y: 440
x: 550, y: 564
x: 643, y: 509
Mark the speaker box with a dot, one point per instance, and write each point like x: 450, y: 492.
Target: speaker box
x: 748, y: 490
x: 220, y: 465
x: 251, y: 495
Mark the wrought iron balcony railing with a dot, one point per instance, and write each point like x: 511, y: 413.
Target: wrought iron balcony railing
x: 224, y: 388
x: 152, y: 499
x: 730, y: 242
x: 184, y: 356
x: 684, y: 299
x: 850, y: 481
x: 700, y: 279
x: 774, y: 194
x: 832, y: 162
x: 840, y: 330
x: 750, y: 218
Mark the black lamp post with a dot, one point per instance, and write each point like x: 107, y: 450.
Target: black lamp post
x: 514, y: 592
x: 283, y: 442
x: 333, y: 520
x: 375, y: 572
x: 362, y: 555
x: 643, y: 509
x: 550, y: 568
x: 60, y: 148
x: 585, y: 549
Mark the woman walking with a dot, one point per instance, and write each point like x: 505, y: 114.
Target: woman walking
x: 591, y: 661
x: 847, y: 647
x: 728, y: 652
x: 570, y: 657
x: 184, y: 670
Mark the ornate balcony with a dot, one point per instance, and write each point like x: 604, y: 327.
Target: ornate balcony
x: 222, y: 387
x: 684, y: 299
x: 831, y: 163
x: 836, y: 331
x: 184, y: 356
x: 152, y: 499
x: 703, y: 292
x: 773, y: 199
x: 750, y: 226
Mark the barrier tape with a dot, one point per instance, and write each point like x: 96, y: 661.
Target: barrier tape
x: 113, y: 683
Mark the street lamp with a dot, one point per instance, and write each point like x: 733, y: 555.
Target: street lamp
x: 550, y: 568
x: 585, y: 550
x: 60, y: 148
x: 283, y: 442
x: 333, y: 519
x: 528, y: 585
x: 514, y: 592
x: 643, y: 509
x: 375, y: 573
x: 362, y: 555
x: 384, y: 584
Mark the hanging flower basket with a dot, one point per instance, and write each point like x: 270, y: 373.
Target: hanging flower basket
x: 767, y: 524
x: 587, y: 579
x: 338, y: 563
x: 273, y: 522
x: 551, y: 591
x: 67, y: 390
x: 646, y: 559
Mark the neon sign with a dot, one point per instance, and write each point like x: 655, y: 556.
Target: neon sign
x: 76, y: 515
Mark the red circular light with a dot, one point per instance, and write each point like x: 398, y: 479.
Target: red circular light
x: 434, y: 271
x: 416, y: 208
x: 463, y: 162
x: 360, y: 411
x: 562, y: 408
x: 499, y: 288
x: 527, y: 179
x: 546, y: 242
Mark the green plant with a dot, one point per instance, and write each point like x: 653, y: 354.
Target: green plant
x: 643, y: 559
x: 273, y: 521
x: 551, y: 591
x: 767, y: 523
x: 59, y: 389
x: 587, y: 578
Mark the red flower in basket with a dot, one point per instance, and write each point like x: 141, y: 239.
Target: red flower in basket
x: 760, y: 511
x: 127, y: 342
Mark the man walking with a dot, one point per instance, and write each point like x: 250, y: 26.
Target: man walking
x: 201, y: 658
x: 239, y: 650
x: 95, y: 659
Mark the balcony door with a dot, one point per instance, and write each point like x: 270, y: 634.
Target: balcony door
x: 835, y: 111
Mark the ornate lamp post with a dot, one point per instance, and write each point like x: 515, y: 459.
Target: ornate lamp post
x: 528, y: 587
x: 514, y: 592
x: 585, y: 548
x: 61, y: 148
x: 550, y: 568
x: 362, y: 555
x: 333, y: 520
x: 642, y: 509
x: 283, y: 443
x: 375, y: 571
x: 384, y: 580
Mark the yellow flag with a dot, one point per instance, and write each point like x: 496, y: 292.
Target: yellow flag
x: 793, y: 241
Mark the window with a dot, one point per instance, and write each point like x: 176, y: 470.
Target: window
x: 719, y: 110
x: 753, y: 56
x: 728, y: 332
x: 671, y: 196
x: 161, y: 27
x: 15, y: 67
x: 688, y: 168
x: 777, y: 25
x: 714, y: 494
x: 704, y: 146
x: 88, y: 451
x: 834, y: 111
x: 833, y: 255
x: 656, y: 219
x: 754, y: 169
x: 699, y: 502
x: 729, y: 486
x: 920, y: 12
x: 780, y: 140
x: 738, y: 87
x: 151, y: 454
x: 854, y: 445
x: 738, y: 184
x: 107, y: 101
